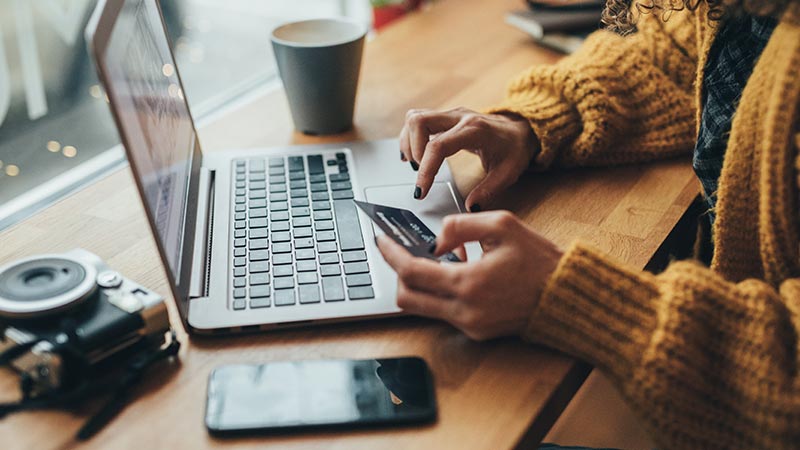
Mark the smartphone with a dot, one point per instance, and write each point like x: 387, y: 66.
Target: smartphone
x: 287, y: 395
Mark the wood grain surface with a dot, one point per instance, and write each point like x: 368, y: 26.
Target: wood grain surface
x: 498, y: 394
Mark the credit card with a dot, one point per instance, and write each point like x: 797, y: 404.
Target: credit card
x: 405, y: 228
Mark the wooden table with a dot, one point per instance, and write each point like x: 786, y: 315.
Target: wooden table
x: 497, y: 394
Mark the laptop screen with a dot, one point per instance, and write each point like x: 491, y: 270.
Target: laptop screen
x: 152, y: 114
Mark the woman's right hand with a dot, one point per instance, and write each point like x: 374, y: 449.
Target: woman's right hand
x: 505, y: 145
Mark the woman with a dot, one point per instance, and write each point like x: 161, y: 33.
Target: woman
x: 707, y: 356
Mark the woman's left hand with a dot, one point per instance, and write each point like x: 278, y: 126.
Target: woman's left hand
x: 488, y: 298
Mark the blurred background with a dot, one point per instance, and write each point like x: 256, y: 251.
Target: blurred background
x: 56, y: 132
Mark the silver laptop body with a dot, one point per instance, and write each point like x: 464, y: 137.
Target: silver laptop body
x: 198, y: 205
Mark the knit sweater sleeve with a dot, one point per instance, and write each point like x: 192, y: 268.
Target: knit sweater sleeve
x: 617, y: 100
x: 707, y: 363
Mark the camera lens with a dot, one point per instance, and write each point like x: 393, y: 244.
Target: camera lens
x: 41, y: 285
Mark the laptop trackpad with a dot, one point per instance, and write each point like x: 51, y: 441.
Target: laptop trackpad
x: 439, y: 203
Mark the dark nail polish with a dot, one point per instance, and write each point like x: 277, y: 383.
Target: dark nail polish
x: 417, y: 192
x: 414, y: 166
x: 476, y: 208
x: 432, y: 250
x: 402, y: 156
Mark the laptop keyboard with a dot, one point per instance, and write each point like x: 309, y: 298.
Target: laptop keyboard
x: 296, y: 234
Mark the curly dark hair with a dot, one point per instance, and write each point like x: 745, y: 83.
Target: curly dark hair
x: 621, y: 15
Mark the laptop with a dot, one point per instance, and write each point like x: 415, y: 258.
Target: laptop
x: 251, y: 239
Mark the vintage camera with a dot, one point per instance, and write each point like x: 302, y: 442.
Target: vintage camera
x: 64, y: 316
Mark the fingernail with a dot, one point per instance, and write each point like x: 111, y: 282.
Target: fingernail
x: 475, y: 208
x: 414, y: 166
x: 376, y: 240
x: 417, y: 192
x: 432, y: 250
x: 402, y: 156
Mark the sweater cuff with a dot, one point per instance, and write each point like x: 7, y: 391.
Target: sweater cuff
x: 596, y: 310
x: 554, y: 122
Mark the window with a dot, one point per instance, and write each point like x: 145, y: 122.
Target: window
x: 56, y: 132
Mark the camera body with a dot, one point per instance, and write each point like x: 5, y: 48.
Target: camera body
x: 63, y: 316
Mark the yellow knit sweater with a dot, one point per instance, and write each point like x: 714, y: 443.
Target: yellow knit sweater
x: 709, y: 358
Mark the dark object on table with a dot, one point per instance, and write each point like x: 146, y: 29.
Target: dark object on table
x: 562, y: 27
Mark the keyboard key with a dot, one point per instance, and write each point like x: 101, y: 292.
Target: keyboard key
x: 300, y: 202
x: 305, y: 253
x: 239, y: 304
x: 240, y: 176
x: 277, y: 188
x: 239, y: 224
x: 258, y: 233
x: 320, y: 205
x: 239, y: 252
x: 277, y: 179
x: 329, y: 258
x: 239, y: 271
x: 239, y: 262
x: 275, y: 171
x: 303, y: 232
x: 281, y: 236
x: 342, y: 195
x: 284, y: 297
x: 339, y: 177
x: 326, y: 247
x: 240, y: 216
x: 280, y: 226
x: 257, y: 165
x: 239, y: 293
x: 282, y: 258
x: 239, y: 242
x: 258, y: 223
x: 240, y: 192
x: 240, y: 208
x: 315, y: 164
x: 323, y: 225
x: 295, y: 163
x: 276, y: 161
x: 281, y: 247
x: 239, y: 163
x: 257, y: 279
x: 331, y: 162
x: 361, y: 293
x: 259, y: 266
x: 241, y: 184
x: 241, y: 199
x: 258, y: 244
x: 329, y: 270
x: 348, y: 225
x: 340, y: 156
x: 342, y: 168
x: 258, y: 194
x: 259, y: 255
x: 359, y: 280
x: 283, y: 282
x: 354, y: 256
x: 239, y: 282
x: 257, y: 185
x: 355, y: 267
x: 308, y: 265
x: 309, y: 293
x: 319, y: 187
x: 301, y: 175
x: 307, y: 278
x: 283, y: 271
x: 262, y: 302
x: 316, y: 178
x: 258, y: 203
x: 301, y: 222
x: 278, y: 197
x: 279, y: 216
x: 340, y: 185
x: 259, y: 291
x: 238, y: 234
x: 297, y: 184
x: 323, y: 236
x: 332, y: 289
x: 279, y: 206
x: 319, y: 196
x: 257, y: 213
x: 304, y: 243
x: 300, y: 212
x: 257, y: 177
x: 298, y: 193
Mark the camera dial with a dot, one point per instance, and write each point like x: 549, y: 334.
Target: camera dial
x: 45, y: 284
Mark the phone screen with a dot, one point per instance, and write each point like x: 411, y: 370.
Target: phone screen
x: 296, y: 394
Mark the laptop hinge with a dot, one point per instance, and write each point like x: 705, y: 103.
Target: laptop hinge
x: 201, y: 260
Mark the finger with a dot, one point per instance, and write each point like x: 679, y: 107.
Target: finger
x: 423, y: 303
x: 446, y: 144
x: 405, y: 148
x: 461, y: 252
x: 482, y: 194
x: 458, y: 229
x: 422, y: 124
x: 420, y: 273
